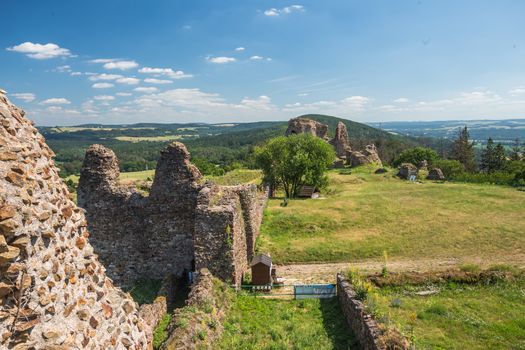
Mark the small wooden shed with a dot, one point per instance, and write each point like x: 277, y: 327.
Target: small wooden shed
x: 261, y: 270
x: 307, y: 191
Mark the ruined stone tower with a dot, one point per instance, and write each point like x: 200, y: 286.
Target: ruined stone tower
x: 183, y: 225
x: 54, y: 293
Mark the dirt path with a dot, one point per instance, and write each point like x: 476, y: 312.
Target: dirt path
x: 325, y: 272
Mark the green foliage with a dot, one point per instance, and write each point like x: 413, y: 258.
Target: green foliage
x: 415, y: 156
x: 493, y: 157
x: 295, y: 161
x: 450, y: 168
x: 463, y: 150
x: 160, y: 334
x: 144, y: 290
x: 258, y: 323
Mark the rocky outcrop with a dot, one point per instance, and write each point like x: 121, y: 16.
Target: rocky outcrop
x: 340, y: 141
x: 406, y: 170
x: 367, y: 156
x: 180, y: 226
x: 307, y: 126
x: 54, y: 293
x: 436, y: 174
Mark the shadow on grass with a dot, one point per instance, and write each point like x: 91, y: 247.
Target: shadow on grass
x: 335, y: 325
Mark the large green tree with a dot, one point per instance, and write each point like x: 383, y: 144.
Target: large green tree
x: 295, y: 161
x: 463, y: 150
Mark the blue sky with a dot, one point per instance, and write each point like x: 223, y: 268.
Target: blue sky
x: 123, y: 61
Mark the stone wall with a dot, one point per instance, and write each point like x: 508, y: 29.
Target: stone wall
x: 183, y: 224
x: 367, y: 331
x: 54, y: 293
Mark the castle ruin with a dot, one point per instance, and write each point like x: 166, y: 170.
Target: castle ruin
x: 183, y: 225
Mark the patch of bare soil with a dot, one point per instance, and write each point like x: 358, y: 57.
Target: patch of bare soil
x: 326, y: 272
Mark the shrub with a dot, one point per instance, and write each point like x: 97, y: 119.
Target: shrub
x: 450, y: 168
x: 415, y: 156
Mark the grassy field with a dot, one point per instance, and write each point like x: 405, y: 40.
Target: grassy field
x: 365, y: 215
x: 459, y: 316
x: 153, y: 138
x: 258, y: 323
x: 237, y: 177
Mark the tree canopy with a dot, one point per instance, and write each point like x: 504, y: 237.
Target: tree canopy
x: 416, y: 155
x: 463, y: 150
x: 294, y: 161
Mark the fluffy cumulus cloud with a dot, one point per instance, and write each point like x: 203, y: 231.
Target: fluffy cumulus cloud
x: 220, y: 59
x: 102, y: 85
x: 104, y: 76
x: 348, y: 106
x: 124, y: 94
x: 168, y: 72
x: 104, y: 98
x: 274, y: 12
x: 150, y: 89
x: 56, y: 101
x: 63, y: 69
x: 401, y: 100
x: 128, y: 81
x: 121, y: 65
x: 240, y: 48
x: 24, y: 96
x: 40, y: 51
x: 157, y: 81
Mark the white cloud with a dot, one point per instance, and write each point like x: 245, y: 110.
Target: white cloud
x: 348, y: 106
x: 63, y: 69
x: 165, y: 71
x: 74, y: 74
x: 240, y: 48
x: 147, y: 90
x: 122, y: 65
x: 273, y: 12
x: 56, y: 101
x: 261, y: 103
x: 40, y: 51
x: 103, y: 60
x: 104, y: 76
x: 220, y: 59
x: 256, y: 58
x: 25, y: 96
x: 401, y: 100
x: 124, y: 93
x: 104, y: 98
x: 128, y: 81
x: 520, y: 90
x: 102, y: 85
x: 157, y: 81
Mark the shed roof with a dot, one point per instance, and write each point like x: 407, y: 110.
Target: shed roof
x: 306, y: 191
x: 261, y: 258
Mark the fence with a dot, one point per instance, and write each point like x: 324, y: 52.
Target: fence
x: 300, y: 291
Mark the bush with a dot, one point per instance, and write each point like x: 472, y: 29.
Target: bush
x: 496, y: 178
x: 415, y: 156
x: 450, y: 168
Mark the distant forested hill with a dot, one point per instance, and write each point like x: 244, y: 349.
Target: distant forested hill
x: 213, y: 146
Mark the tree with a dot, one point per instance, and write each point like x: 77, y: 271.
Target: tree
x: 295, y: 161
x: 463, y: 150
x: 450, y: 168
x: 415, y: 156
x: 515, y: 153
x: 493, y: 157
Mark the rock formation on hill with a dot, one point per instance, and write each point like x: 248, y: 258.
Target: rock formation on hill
x: 54, y: 293
x: 367, y: 156
x: 340, y: 141
x: 436, y: 174
x: 406, y: 170
x: 302, y: 125
x: 183, y: 225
